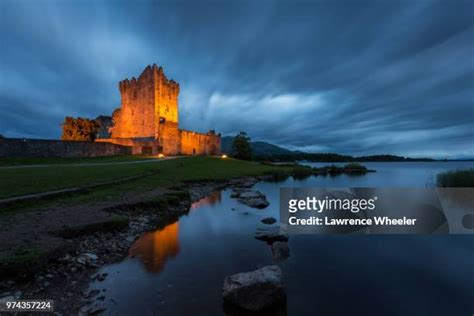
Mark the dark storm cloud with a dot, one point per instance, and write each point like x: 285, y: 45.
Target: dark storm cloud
x: 356, y: 77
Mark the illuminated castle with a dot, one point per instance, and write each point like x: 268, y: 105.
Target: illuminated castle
x: 147, y: 119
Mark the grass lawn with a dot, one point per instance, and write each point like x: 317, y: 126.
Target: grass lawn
x: 167, y: 173
x: 21, y: 161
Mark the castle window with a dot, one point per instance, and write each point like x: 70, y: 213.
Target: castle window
x: 134, y: 94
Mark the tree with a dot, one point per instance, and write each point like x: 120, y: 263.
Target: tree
x: 241, y: 147
x: 79, y: 129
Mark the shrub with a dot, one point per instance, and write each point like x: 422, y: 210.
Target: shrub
x: 456, y: 178
x: 355, y: 167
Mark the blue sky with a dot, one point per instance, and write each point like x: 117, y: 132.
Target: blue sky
x: 352, y: 77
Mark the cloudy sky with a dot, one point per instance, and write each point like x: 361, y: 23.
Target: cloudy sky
x: 352, y: 77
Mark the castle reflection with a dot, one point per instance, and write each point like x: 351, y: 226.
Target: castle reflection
x: 153, y: 249
x: 212, y: 199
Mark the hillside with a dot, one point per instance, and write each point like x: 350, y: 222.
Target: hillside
x: 266, y: 151
x: 258, y: 148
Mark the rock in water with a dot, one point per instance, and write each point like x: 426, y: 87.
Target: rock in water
x: 269, y: 220
x: 251, y: 198
x: 251, y: 194
x: 271, y: 234
x: 255, y: 290
x: 256, y: 202
x: 236, y: 192
x: 280, y: 250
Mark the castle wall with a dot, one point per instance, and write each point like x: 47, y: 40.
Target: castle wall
x: 136, y: 117
x: 193, y: 143
x: 137, y: 146
x: 170, y: 138
x: 22, y: 147
x: 166, y: 102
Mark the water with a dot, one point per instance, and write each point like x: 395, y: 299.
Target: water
x: 392, y: 174
x: 179, y: 270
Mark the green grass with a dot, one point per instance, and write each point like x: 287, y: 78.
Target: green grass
x: 456, y: 178
x: 19, y: 256
x: 168, y: 173
x: 21, y: 161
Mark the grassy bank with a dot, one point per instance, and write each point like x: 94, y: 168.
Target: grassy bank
x: 26, y: 161
x: 21, y: 181
x: 456, y: 178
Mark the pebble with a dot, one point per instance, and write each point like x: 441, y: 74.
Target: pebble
x: 91, y: 293
x: 90, y: 255
x: 269, y: 220
x: 81, y: 260
x: 101, y: 277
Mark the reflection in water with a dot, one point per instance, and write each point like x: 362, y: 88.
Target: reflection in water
x: 431, y: 275
x: 212, y: 199
x: 155, y: 248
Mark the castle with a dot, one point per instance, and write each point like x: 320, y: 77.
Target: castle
x: 147, y: 119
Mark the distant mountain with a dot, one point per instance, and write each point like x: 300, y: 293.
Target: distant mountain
x: 267, y: 151
x: 258, y: 148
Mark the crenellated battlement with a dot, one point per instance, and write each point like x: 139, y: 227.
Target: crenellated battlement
x: 150, y: 75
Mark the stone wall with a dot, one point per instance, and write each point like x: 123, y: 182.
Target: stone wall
x: 137, y: 145
x: 170, y: 138
x: 19, y: 147
x: 193, y: 143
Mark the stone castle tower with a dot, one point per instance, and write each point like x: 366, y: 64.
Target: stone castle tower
x: 148, y: 118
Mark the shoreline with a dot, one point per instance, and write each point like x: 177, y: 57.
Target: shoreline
x: 67, y: 273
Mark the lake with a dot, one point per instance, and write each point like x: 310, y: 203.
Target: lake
x: 179, y: 270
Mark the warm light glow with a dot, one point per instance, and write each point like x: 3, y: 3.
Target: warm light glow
x: 155, y: 248
x: 161, y: 156
x: 224, y: 156
x: 209, y: 200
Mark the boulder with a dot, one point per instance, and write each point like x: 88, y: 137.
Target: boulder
x: 269, y: 220
x: 255, y: 290
x: 251, y: 194
x: 280, y: 250
x: 256, y: 202
x: 236, y: 192
x: 253, y: 198
x: 271, y: 234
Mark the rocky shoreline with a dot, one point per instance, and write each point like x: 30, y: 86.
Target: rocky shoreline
x: 65, y: 278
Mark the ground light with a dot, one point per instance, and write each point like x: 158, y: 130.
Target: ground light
x: 224, y: 156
